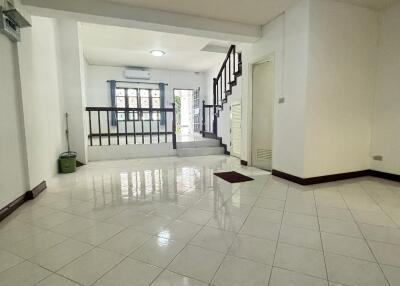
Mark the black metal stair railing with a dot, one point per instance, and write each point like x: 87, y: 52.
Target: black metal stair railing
x: 226, y: 79
x: 125, y: 126
x: 207, y: 120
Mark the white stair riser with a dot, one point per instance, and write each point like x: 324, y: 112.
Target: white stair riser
x: 197, y: 144
x: 201, y: 151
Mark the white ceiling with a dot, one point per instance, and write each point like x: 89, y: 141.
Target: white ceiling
x: 257, y: 12
x: 119, y: 46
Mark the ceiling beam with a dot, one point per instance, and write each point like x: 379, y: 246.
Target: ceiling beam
x: 108, y: 13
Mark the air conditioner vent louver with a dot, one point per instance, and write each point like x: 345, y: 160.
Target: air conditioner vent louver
x: 264, y: 154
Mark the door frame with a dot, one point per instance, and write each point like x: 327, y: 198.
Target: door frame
x: 271, y: 58
x: 231, y: 105
x: 173, y: 96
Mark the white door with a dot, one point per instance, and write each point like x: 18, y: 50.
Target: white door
x: 263, y: 93
x: 236, y: 116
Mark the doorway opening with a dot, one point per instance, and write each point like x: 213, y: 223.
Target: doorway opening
x: 184, y: 112
x: 262, y: 121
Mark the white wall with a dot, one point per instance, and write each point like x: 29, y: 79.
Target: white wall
x: 13, y: 169
x: 325, y: 72
x: 288, y: 142
x: 340, y: 87
x: 98, y: 92
x: 72, y: 71
x: 98, y: 89
x: 386, y: 115
x: 288, y: 117
x: 42, y: 98
x: 121, y: 152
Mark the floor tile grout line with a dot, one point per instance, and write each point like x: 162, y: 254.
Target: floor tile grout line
x: 126, y: 256
x: 320, y: 237
x: 98, y: 246
x: 279, y: 233
x: 92, y: 248
x: 368, y: 245
x: 301, y: 273
x: 236, y: 235
x: 57, y: 274
x: 186, y: 245
x: 378, y: 204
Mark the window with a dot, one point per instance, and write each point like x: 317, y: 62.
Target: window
x: 137, y: 98
x: 155, y: 102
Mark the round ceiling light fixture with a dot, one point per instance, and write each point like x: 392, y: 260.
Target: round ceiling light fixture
x: 157, y: 53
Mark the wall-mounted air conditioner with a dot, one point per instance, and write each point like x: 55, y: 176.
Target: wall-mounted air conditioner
x: 137, y: 74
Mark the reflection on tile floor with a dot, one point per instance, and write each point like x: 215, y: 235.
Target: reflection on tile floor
x: 169, y: 221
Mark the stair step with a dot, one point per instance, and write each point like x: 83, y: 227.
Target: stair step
x: 197, y: 144
x: 200, y: 151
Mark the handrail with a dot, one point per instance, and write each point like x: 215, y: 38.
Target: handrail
x: 228, y: 55
x: 151, y: 125
x: 227, y: 76
x: 124, y: 109
x: 207, y: 119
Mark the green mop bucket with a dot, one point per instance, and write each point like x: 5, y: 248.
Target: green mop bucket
x: 67, y: 162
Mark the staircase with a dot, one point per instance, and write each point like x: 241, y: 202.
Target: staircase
x: 226, y: 79
x: 223, y: 84
x: 200, y: 148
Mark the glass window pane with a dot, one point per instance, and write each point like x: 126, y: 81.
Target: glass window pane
x: 155, y: 93
x: 145, y: 115
x: 144, y: 92
x: 144, y: 98
x: 120, y: 101
x: 132, y: 92
x: 156, y: 115
x: 132, y: 101
x: 120, y: 92
x: 121, y: 115
x: 156, y: 102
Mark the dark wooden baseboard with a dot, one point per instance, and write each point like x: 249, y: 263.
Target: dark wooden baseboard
x: 383, y: 175
x: 8, y: 209
x: 29, y: 195
x: 335, y: 177
x: 243, y: 162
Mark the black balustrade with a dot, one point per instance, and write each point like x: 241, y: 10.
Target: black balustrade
x: 108, y: 125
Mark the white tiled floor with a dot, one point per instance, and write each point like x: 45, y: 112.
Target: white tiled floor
x: 170, y: 222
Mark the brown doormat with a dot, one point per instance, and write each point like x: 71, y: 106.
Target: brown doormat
x: 233, y: 177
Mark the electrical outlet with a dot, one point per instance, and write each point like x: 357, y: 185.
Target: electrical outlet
x: 377, y: 158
